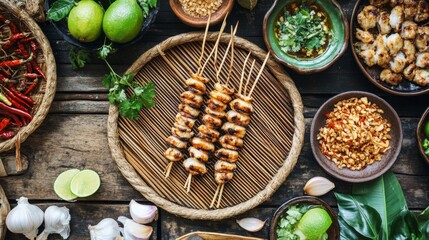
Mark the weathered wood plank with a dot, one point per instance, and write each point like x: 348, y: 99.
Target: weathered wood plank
x: 84, y: 214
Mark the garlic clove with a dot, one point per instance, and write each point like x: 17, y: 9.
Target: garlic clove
x: 251, y: 224
x: 143, y: 214
x: 25, y: 218
x: 106, y: 229
x: 135, y: 231
x: 57, y: 220
x: 318, y: 186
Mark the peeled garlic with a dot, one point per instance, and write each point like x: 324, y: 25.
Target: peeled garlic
x: 106, y: 229
x: 251, y: 224
x: 143, y: 214
x: 25, y: 218
x: 57, y: 220
x: 133, y: 230
x: 318, y: 186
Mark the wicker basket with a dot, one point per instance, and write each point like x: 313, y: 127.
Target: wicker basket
x: 271, y: 147
x: 46, y: 89
x: 4, y: 210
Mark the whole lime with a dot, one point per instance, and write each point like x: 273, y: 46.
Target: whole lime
x: 314, y: 223
x: 427, y: 129
x: 122, y: 21
x: 84, y: 21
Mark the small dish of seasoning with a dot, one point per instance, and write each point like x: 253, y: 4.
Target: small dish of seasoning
x: 306, y: 35
x: 195, y: 13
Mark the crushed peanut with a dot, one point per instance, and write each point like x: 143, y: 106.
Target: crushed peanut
x: 200, y: 8
x: 355, y: 135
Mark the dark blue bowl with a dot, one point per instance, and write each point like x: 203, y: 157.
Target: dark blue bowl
x: 62, y: 29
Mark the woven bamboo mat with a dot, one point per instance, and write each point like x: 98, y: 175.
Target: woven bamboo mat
x: 271, y: 146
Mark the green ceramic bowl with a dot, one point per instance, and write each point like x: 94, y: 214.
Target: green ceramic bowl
x: 337, y: 45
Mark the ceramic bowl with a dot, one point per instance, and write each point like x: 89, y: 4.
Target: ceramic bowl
x: 334, y: 229
x: 337, y: 45
x: 405, y: 88
x: 421, y: 135
x: 62, y: 29
x: 372, y: 171
x: 189, y: 20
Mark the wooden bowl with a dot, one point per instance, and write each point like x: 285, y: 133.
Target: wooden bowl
x: 334, y: 229
x: 372, y: 171
x: 62, y: 29
x: 421, y: 135
x: 303, y: 65
x: 189, y: 20
x: 405, y: 88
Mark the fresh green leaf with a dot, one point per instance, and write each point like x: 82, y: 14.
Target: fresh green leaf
x: 78, y: 57
x: 126, y: 80
x: 108, y: 80
x: 424, y: 229
x: 385, y: 195
x: 60, y: 9
x: 363, y: 218
x: 405, y: 226
x: 347, y: 232
x: 424, y: 215
x: 152, y: 3
x: 105, y: 50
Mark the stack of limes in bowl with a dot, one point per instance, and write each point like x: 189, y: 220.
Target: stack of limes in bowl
x: 74, y: 183
x: 120, y: 23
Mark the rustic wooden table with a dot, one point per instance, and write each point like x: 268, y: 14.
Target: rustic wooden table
x: 74, y: 135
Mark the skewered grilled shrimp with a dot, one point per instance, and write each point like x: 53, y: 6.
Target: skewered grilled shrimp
x: 397, y: 18
x: 242, y: 105
x: 220, y: 96
x: 198, y: 154
x: 364, y: 36
x: 423, y: 60
x: 190, y: 111
x: 182, y: 135
x: 410, y: 9
x: 176, y: 142
x: 194, y: 167
x: 191, y: 99
x: 216, y: 105
x: 422, y: 39
x: 409, y: 30
x: 232, y: 141
x: 410, y: 51
x: 367, y: 18
x: 208, y: 134
x: 227, y: 155
x: 422, y: 11
x: 391, y: 78
x: 224, y: 166
x: 218, y: 114
x: 394, y: 43
x: 383, y: 23
x: 185, y: 120
x: 378, y: 3
x: 212, y: 121
x: 196, y: 86
x: 398, y: 63
x: 410, y: 71
x: 382, y: 57
x: 203, y: 145
x: 238, y: 118
x: 173, y: 154
x: 421, y: 77
x: 234, y: 129
x: 223, y: 177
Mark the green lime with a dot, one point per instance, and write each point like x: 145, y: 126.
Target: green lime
x: 314, y: 223
x: 62, y: 184
x: 123, y: 20
x: 84, y: 21
x: 248, y: 4
x: 85, y: 183
x: 427, y: 129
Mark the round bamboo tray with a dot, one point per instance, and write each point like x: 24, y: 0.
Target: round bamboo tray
x: 4, y: 210
x: 271, y: 147
x: 46, y: 89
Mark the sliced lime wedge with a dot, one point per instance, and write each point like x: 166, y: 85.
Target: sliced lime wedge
x: 85, y: 183
x: 62, y: 184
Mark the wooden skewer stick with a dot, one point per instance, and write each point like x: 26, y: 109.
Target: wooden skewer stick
x: 242, y: 72
x: 188, y: 183
x: 215, y: 196
x: 225, y: 55
x: 216, y: 49
x: 232, y: 56
x: 259, y: 74
x: 168, y: 169
x: 220, y: 195
x: 248, y: 77
x: 204, y: 43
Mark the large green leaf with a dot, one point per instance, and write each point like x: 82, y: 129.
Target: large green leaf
x: 385, y: 195
x: 424, y: 216
x: 347, y: 232
x: 363, y: 218
x: 405, y: 226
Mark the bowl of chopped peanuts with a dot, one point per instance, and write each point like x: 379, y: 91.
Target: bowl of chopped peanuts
x: 356, y: 136
x: 195, y: 13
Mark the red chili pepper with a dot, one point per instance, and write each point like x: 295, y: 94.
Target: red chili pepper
x: 12, y: 26
x: 15, y: 111
x: 22, y: 96
x: 26, y: 40
x: 31, y: 75
x: 31, y: 87
x: 4, y: 123
x: 13, y: 117
x: 7, y: 134
x: 16, y: 101
x: 4, y: 99
x: 37, y: 68
x: 12, y: 40
x: 16, y: 62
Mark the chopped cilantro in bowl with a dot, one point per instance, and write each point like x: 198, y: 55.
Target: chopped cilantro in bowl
x: 303, y: 31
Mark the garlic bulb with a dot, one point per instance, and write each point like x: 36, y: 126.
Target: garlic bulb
x: 133, y: 230
x: 143, y: 214
x: 57, y: 220
x: 25, y: 218
x: 251, y: 224
x: 318, y: 186
x: 106, y: 229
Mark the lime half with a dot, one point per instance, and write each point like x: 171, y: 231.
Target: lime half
x: 314, y: 223
x: 85, y: 183
x: 62, y: 184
